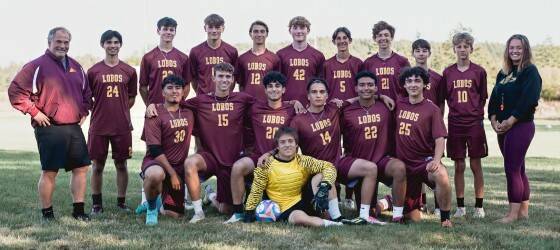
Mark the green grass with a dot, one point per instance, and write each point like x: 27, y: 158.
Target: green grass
x: 20, y: 224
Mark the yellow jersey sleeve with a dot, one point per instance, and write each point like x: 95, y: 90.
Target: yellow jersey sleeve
x: 314, y: 166
x: 260, y: 180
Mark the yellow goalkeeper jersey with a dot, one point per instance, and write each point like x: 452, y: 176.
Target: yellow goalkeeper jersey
x: 283, y: 181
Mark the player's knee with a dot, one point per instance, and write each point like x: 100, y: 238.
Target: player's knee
x: 370, y: 169
x: 154, y: 174
x: 399, y: 171
x: 97, y: 168
x: 460, y: 165
x: 191, y: 166
x: 120, y: 165
x: 297, y: 217
x: 442, y: 179
x: 80, y: 171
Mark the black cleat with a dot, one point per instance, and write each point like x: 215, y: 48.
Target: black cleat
x: 81, y: 217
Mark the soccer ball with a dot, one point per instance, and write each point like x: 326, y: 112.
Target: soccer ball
x: 267, y: 211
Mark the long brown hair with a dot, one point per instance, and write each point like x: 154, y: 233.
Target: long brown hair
x: 526, y: 58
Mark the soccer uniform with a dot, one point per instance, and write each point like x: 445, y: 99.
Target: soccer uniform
x: 299, y: 67
x: 283, y: 182
x: 251, y: 69
x: 340, y: 77
x: 466, y: 95
x: 387, y: 70
x: 366, y: 134
x: 220, y: 123
x: 418, y: 126
x: 435, y: 90
x: 156, y: 65
x: 203, y: 58
x: 110, y: 120
x: 172, y: 131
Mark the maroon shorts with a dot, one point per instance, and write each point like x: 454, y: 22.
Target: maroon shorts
x: 343, y: 168
x: 462, y: 139
x: 121, y: 146
x: 222, y: 173
x: 415, y: 176
x: 173, y: 200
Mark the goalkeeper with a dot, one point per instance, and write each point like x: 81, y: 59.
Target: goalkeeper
x: 301, y: 185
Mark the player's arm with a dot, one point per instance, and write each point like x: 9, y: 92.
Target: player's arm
x: 388, y: 101
x: 193, y: 63
x: 483, y: 89
x: 144, y: 78
x: 20, y: 92
x: 257, y: 189
x: 314, y: 166
x: 87, y: 102
x: 132, y: 86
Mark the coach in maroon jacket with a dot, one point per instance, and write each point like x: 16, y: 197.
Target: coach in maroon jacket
x: 53, y: 90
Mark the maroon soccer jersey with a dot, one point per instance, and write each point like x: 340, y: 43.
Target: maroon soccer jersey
x: 387, y: 70
x: 340, y: 77
x: 220, y: 124
x: 417, y: 127
x: 111, y: 88
x: 251, y: 69
x: 299, y: 67
x: 265, y: 121
x: 156, y: 65
x: 319, y: 134
x: 203, y: 58
x: 435, y: 90
x: 367, y: 131
x: 466, y: 94
x: 172, y: 131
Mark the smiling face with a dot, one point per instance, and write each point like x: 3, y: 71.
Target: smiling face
x: 112, y: 46
x: 274, y: 91
x: 414, y: 86
x: 515, y: 51
x: 383, y: 39
x: 258, y: 34
x: 214, y: 32
x: 421, y: 55
x: 172, y: 93
x: 342, y: 41
x: 299, y: 33
x: 60, y: 44
x: 167, y: 34
x: 366, y: 88
x: 287, y: 146
x: 223, y: 80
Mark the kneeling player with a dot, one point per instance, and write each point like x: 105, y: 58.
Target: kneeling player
x: 420, y: 142
x: 299, y: 184
x: 167, y: 138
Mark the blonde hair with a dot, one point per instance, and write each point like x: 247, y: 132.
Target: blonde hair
x: 463, y: 37
x: 526, y: 57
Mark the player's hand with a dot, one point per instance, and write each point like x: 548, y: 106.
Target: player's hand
x: 151, y: 111
x: 321, y: 200
x: 249, y: 216
x: 338, y: 102
x: 175, y: 182
x: 494, y: 125
x: 433, y: 166
x: 299, y: 108
x: 82, y: 120
x: 42, y: 119
x: 390, y: 103
x: 263, y: 159
x: 505, y: 125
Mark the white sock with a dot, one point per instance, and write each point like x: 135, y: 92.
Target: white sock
x: 187, y: 198
x: 197, y: 206
x: 143, y: 197
x: 397, y: 212
x: 328, y: 223
x: 364, y: 211
x: 334, y: 211
x: 384, y: 204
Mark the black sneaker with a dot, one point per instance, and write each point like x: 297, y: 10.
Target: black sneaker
x: 123, y: 208
x: 96, y: 210
x: 81, y: 217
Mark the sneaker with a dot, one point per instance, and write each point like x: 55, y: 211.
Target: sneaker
x: 461, y: 212
x: 398, y: 220
x: 236, y: 217
x: 446, y: 223
x: 143, y: 207
x: 81, y: 217
x: 209, y: 195
x: 437, y: 212
x: 123, y: 208
x: 374, y: 221
x: 197, y: 217
x: 479, y: 213
x: 96, y: 210
x: 152, y: 217
x: 349, y: 204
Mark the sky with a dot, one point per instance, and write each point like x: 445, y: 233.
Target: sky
x: 28, y: 22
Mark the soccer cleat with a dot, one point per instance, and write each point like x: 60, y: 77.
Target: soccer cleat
x: 374, y: 221
x: 437, y: 212
x: 236, y: 217
x: 96, y: 210
x: 152, y: 217
x: 197, y: 217
x: 446, y: 223
x: 81, y: 217
x: 479, y: 213
x: 143, y: 207
x: 209, y: 195
x: 461, y: 212
x: 123, y: 208
x: 349, y: 204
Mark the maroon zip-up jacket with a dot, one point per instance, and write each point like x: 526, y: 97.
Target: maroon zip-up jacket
x: 44, y: 85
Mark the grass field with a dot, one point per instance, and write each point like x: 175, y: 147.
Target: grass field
x: 20, y: 224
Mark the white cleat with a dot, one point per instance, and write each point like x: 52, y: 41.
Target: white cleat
x: 234, y: 218
x: 374, y: 221
x: 197, y: 217
x: 460, y: 213
x: 479, y: 213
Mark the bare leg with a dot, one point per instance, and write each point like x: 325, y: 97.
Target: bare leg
x: 300, y: 218
x: 397, y: 170
x: 122, y: 178
x: 476, y: 167
x: 194, y: 164
x: 240, y: 169
x: 459, y: 178
x: 46, y: 186
x: 97, y: 176
x: 367, y: 170
x: 153, y: 179
x: 78, y: 183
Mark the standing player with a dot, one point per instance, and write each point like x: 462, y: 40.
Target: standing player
x: 253, y: 65
x: 266, y: 119
x: 386, y: 64
x: 213, y: 51
x: 339, y: 71
x: 299, y: 62
x: 113, y: 84
x: 368, y: 126
x: 167, y: 139
x: 162, y: 61
x: 466, y: 95
x: 420, y: 143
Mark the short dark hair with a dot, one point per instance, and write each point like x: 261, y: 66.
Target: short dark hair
x: 258, y: 22
x: 299, y: 21
x: 344, y: 30
x: 109, y: 34
x: 286, y: 131
x: 173, y: 79
x: 274, y: 76
x: 366, y: 73
x: 317, y: 80
x: 224, y: 67
x: 214, y: 20
x: 382, y: 25
x: 166, y: 22
x: 421, y: 44
x: 414, y: 71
